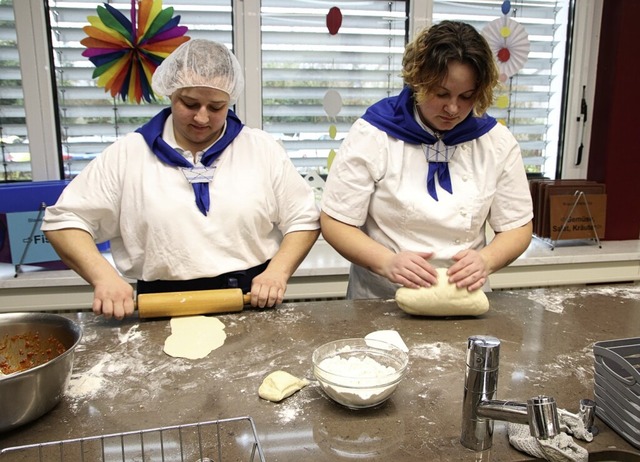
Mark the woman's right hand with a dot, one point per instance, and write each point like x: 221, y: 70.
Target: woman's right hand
x: 411, y: 269
x: 113, y: 297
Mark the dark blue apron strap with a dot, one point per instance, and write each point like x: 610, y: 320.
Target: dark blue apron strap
x: 232, y: 280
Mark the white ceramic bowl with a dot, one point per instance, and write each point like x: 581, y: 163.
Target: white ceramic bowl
x: 357, y: 372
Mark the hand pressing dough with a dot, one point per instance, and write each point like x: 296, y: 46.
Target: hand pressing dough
x: 194, y: 337
x: 280, y: 384
x: 442, y: 299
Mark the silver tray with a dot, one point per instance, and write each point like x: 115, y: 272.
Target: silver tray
x: 617, y: 386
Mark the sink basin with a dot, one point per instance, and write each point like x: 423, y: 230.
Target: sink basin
x: 613, y: 455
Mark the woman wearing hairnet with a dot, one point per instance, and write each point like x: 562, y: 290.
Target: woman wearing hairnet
x: 192, y: 200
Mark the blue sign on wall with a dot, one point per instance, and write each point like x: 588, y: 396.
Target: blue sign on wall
x: 20, y: 205
x: 24, y: 233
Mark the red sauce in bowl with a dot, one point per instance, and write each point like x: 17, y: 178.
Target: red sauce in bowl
x: 21, y: 352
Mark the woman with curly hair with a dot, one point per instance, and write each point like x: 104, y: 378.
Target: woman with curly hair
x: 421, y: 174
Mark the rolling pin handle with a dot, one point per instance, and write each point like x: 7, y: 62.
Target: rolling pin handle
x: 246, y: 298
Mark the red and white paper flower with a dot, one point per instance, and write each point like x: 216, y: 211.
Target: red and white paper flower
x: 509, y: 42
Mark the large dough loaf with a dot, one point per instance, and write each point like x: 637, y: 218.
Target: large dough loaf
x: 442, y: 299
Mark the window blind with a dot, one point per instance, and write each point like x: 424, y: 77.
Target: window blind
x: 302, y: 61
x: 302, y: 64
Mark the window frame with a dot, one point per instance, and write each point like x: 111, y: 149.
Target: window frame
x: 40, y: 111
x: 33, y: 44
x: 587, y: 17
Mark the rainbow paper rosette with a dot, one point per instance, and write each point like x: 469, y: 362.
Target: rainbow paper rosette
x: 509, y: 43
x: 127, y: 52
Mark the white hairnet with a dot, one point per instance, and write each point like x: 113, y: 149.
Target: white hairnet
x: 199, y: 63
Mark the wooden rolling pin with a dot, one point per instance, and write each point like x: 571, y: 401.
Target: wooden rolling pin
x: 190, y: 303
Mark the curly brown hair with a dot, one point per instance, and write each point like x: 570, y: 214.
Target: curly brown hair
x: 426, y: 59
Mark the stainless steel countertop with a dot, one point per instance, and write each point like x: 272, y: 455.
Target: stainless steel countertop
x: 122, y: 380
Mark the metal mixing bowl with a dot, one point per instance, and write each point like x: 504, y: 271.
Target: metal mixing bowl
x: 31, y: 393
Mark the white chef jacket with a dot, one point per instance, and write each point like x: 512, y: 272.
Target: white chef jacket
x: 147, y: 209
x: 378, y: 183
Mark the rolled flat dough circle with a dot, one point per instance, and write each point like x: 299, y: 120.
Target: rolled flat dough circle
x: 280, y: 384
x: 194, y: 337
x: 442, y: 299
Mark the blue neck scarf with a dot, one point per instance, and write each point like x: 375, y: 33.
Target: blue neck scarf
x: 395, y: 117
x: 152, y: 134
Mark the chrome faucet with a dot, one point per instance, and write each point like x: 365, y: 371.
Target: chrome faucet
x: 480, y: 408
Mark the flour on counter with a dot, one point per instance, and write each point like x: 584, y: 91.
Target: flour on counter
x: 576, y: 364
x: 555, y: 300
x: 88, y: 383
x: 438, y: 351
x: 284, y: 315
x: 293, y: 407
x: 551, y: 302
x: 132, y: 334
x: 623, y: 291
x: 120, y: 370
x: 440, y: 359
x: 86, y: 339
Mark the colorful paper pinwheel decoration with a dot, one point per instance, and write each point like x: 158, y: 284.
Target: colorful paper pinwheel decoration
x: 127, y: 52
x: 509, y: 42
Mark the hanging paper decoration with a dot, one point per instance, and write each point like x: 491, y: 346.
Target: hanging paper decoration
x: 506, y: 7
x: 127, y: 52
x: 509, y: 42
x: 334, y: 20
x: 332, y: 104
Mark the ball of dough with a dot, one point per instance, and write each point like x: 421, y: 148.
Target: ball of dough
x: 280, y: 384
x: 442, y: 299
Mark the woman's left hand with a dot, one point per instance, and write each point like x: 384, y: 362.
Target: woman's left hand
x: 469, y: 270
x: 267, y: 290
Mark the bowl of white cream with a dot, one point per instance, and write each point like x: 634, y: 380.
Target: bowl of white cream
x: 357, y: 372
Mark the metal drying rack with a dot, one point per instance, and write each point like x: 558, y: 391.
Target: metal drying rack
x: 233, y: 439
